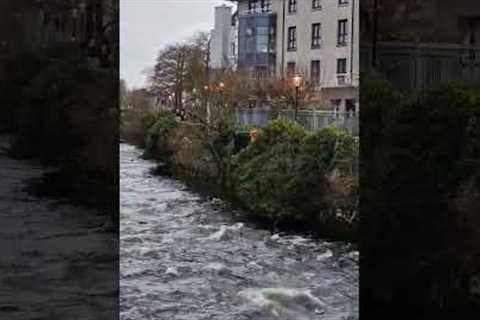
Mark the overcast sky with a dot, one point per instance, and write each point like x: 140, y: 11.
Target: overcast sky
x: 146, y: 26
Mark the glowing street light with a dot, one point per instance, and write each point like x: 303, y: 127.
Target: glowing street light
x: 297, y: 81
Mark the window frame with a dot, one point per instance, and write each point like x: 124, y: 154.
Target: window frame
x: 344, y: 64
x: 266, y: 5
x: 342, y: 37
x: 292, y: 6
x: 317, y: 4
x: 316, y: 35
x: 315, y: 77
x: 252, y: 6
x: 292, y: 38
x: 291, y: 69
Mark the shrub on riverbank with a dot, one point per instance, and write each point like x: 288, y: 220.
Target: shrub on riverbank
x: 157, y: 126
x: 63, y: 112
x: 288, y: 176
x: 420, y: 190
x: 295, y: 176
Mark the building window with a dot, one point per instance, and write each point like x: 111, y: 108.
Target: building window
x: 266, y: 5
x: 350, y: 107
x: 291, y: 69
x: 315, y: 72
x: 336, y: 103
x: 261, y: 72
x: 292, y: 6
x: 252, y: 6
x: 262, y: 43
x: 272, y: 38
x: 316, y: 4
x: 343, y: 2
x: 292, y: 38
x: 342, y: 66
x: 316, y: 38
x: 342, y: 33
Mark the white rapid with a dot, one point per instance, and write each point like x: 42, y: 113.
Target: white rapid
x: 187, y: 258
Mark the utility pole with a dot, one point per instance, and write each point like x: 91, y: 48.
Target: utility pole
x: 352, y: 38
x: 207, y: 80
x: 283, y: 40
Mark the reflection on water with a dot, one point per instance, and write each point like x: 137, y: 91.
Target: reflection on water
x: 186, y: 258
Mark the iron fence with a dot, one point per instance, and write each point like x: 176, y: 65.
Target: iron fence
x: 311, y: 120
x: 423, y: 65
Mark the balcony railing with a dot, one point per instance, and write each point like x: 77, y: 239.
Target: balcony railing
x: 255, y: 11
x: 312, y: 120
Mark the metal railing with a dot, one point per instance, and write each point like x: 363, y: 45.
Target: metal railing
x: 411, y: 65
x: 312, y: 120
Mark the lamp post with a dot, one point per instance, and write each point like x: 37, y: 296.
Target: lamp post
x: 195, y: 98
x: 207, y: 106
x: 297, y: 80
x: 221, y: 86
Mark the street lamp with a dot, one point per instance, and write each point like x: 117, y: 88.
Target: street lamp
x: 221, y: 86
x: 194, y: 93
x: 297, y: 80
x: 207, y: 106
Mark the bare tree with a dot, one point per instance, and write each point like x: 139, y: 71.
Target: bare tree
x: 180, y: 70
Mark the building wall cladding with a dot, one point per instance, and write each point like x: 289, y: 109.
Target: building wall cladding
x: 327, y: 15
x: 328, y: 52
x: 221, y: 50
x: 254, y: 36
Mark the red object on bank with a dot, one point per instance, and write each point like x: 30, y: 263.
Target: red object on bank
x: 253, y: 135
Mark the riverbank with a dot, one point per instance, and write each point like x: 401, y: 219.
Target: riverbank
x: 286, y: 180
x: 62, y: 112
x: 91, y: 191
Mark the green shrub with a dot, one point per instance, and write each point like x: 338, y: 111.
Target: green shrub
x: 420, y: 178
x: 284, y: 173
x: 157, y: 126
x: 65, y: 115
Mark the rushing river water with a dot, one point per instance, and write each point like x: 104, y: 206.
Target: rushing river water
x: 187, y: 258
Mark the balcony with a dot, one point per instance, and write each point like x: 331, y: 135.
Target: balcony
x: 344, y: 80
x: 257, y: 11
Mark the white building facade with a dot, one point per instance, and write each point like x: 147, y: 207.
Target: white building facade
x: 317, y: 39
x: 223, y: 45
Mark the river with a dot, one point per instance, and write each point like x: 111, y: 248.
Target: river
x: 58, y: 260
x: 184, y: 257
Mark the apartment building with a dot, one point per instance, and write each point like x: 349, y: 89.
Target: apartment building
x: 224, y: 39
x: 317, y: 39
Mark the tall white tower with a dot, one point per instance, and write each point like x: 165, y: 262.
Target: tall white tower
x: 221, y: 50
